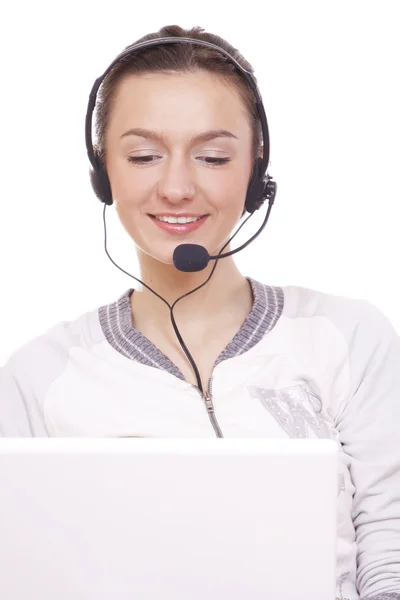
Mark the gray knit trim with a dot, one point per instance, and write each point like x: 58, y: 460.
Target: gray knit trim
x: 117, y: 325
x: 384, y: 596
x: 265, y: 313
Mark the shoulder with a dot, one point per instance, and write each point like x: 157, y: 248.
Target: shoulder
x: 348, y: 314
x: 47, y: 354
x: 31, y: 370
x: 367, y: 338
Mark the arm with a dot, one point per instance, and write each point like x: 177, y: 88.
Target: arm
x: 369, y: 430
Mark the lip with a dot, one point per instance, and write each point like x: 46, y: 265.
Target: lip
x: 176, y: 215
x: 179, y: 228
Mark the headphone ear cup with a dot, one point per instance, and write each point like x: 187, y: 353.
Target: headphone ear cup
x: 100, y: 182
x: 261, y: 188
x: 256, y: 188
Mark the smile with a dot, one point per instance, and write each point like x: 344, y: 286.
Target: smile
x: 180, y: 225
x: 170, y: 219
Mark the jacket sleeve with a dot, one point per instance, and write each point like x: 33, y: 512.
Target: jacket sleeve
x: 20, y: 415
x: 369, y: 430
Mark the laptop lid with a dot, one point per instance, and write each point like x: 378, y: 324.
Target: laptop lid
x: 160, y: 519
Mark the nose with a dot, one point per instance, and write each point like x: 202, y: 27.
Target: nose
x: 176, y: 180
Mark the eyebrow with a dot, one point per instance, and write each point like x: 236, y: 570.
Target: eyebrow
x: 201, y: 137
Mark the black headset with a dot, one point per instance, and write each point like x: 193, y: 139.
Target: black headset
x: 261, y: 186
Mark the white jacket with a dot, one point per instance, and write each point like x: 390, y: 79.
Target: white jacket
x: 303, y: 364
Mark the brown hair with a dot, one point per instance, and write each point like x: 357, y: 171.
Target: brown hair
x: 180, y: 58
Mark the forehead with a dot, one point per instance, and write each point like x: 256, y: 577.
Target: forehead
x: 187, y: 97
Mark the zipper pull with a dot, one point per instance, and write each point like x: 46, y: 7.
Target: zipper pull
x: 208, y: 401
x: 210, y: 409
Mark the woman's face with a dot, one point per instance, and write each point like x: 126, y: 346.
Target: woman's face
x: 178, y: 176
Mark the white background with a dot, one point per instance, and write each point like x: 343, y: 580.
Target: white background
x: 329, y: 76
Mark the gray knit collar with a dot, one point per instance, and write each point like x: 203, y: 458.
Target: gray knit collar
x: 117, y: 325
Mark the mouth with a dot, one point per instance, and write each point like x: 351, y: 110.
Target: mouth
x: 179, y: 228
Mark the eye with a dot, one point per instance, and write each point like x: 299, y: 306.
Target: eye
x: 215, y: 161
x: 147, y: 160
x: 140, y: 159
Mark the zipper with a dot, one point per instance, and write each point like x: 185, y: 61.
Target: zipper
x: 208, y: 400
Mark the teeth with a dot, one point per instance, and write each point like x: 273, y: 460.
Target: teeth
x: 178, y: 220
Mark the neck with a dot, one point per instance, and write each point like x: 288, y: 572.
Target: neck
x: 226, y: 295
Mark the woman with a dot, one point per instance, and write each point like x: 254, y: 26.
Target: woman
x: 272, y: 361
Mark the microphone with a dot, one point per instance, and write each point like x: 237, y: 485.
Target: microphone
x: 193, y: 257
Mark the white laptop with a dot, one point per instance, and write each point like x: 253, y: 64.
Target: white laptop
x: 168, y: 519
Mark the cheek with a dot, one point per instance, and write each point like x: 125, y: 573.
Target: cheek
x: 230, y: 193
x: 128, y: 184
